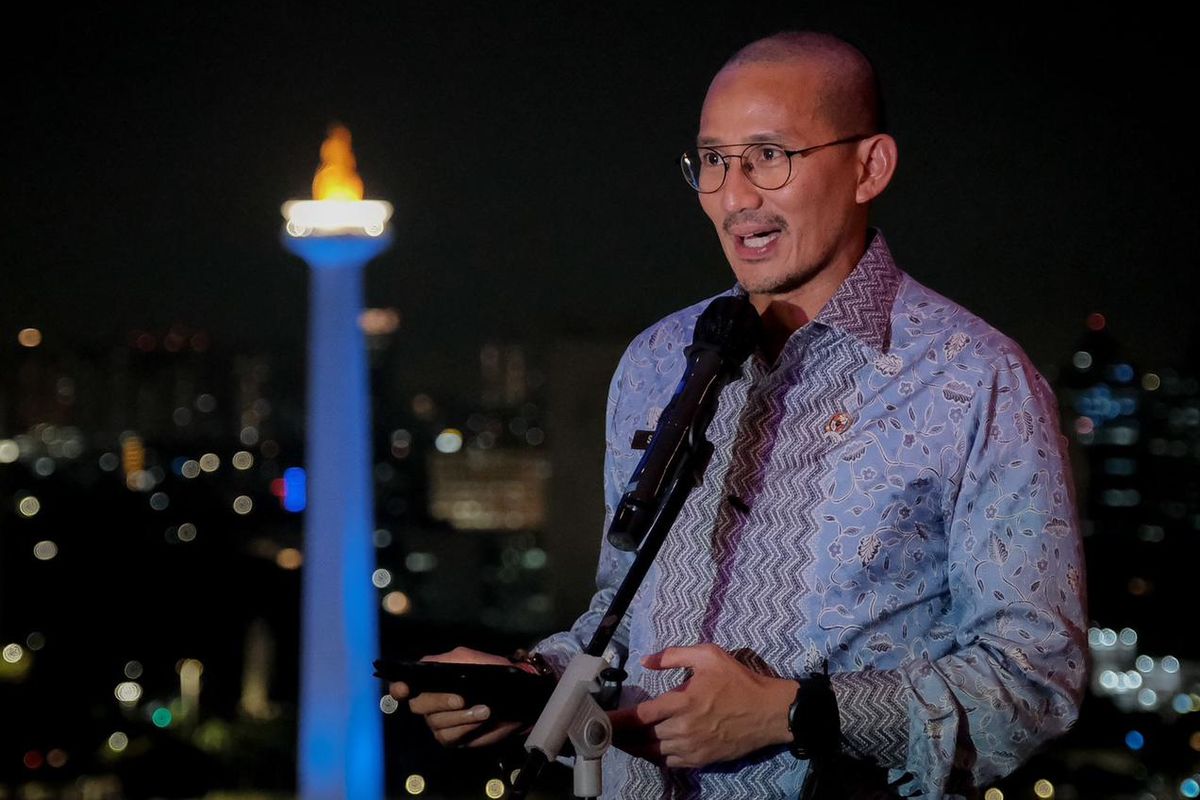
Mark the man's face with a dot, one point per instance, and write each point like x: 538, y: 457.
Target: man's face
x: 778, y: 240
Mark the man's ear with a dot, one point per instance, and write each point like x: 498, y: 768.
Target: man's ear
x: 877, y: 158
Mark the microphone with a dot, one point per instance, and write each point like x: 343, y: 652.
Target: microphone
x: 726, y: 334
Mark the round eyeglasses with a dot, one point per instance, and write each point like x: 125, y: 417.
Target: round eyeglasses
x: 767, y: 165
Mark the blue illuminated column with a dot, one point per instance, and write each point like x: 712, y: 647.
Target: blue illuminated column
x: 341, y: 734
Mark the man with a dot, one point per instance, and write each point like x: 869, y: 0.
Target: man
x: 888, y: 499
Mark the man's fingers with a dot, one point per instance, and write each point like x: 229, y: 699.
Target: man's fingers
x: 449, y: 719
x: 430, y: 702
x: 639, y: 742
x: 486, y: 734
x: 475, y: 734
x: 454, y: 735
x: 648, y: 713
x: 679, y: 657
x: 398, y: 690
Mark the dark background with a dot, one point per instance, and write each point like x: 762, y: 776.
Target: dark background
x: 1045, y: 168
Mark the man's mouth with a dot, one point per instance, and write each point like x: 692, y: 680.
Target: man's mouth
x: 760, y: 239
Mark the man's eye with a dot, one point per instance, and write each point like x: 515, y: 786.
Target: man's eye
x: 769, y: 153
x: 711, y: 158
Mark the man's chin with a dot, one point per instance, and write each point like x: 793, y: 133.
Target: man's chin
x: 773, y: 284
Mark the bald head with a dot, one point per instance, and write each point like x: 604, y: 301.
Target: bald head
x: 849, y: 97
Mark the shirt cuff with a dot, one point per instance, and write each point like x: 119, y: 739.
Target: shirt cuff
x: 873, y: 711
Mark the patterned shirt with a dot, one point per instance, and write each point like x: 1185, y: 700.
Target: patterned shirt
x: 891, y: 497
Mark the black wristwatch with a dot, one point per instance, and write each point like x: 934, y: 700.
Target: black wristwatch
x: 813, y: 718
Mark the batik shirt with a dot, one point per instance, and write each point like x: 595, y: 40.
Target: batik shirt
x: 890, y: 498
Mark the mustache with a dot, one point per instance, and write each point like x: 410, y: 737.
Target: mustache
x: 750, y: 217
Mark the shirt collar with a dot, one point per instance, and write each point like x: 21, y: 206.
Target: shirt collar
x: 862, y: 305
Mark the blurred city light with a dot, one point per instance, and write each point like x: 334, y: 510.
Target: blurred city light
x: 128, y: 692
x: 28, y: 506
x: 396, y: 603
x: 449, y: 441
x: 414, y: 784
x: 45, y: 550
x: 295, y: 489
x: 289, y: 558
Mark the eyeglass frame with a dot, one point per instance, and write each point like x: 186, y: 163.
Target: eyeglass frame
x: 802, y: 152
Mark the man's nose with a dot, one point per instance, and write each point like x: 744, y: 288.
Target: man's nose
x: 738, y: 192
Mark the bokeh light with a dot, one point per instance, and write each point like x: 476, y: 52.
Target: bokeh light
x: 128, y: 692
x: 448, y: 441
x: 396, y: 603
x: 45, y: 550
x: 28, y: 506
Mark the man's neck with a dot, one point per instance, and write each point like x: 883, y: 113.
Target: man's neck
x: 785, y: 313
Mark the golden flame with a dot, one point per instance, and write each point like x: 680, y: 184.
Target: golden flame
x: 337, y: 178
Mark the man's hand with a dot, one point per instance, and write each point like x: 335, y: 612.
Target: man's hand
x: 451, y: 724
x: 722, y: 712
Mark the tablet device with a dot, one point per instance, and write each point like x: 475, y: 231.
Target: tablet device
x: 509, y: 691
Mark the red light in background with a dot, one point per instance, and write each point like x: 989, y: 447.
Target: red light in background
x: 1096, y: 321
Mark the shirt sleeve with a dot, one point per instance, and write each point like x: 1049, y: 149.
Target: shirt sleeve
x: 559, y: 648
x: 1016, y: 675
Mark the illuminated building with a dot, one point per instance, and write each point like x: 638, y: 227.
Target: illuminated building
x: 337, y: 233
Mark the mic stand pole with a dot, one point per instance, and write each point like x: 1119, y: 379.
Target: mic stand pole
x: 573, y: 711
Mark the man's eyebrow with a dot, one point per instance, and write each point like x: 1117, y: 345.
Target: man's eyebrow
x: 772, y: 137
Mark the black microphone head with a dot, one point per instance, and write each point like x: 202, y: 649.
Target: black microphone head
x: 731, y: 326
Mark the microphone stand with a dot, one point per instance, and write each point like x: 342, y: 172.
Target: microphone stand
x: 573, y: 711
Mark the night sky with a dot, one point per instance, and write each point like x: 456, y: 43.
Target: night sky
x: 1045, y: 169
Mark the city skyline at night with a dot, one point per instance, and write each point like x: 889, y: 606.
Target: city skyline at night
x: 153, y: 473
